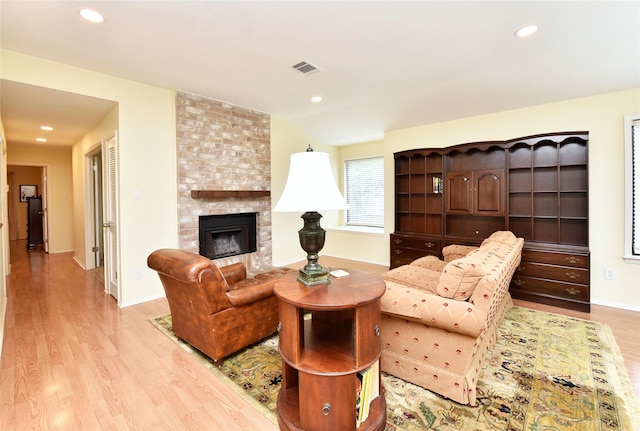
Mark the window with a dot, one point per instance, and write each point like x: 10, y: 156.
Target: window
x: 364, y: 185
x: 632, y: 188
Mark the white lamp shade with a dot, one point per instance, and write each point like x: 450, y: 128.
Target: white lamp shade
x: 310, y: 185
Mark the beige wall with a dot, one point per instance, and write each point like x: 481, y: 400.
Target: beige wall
x: 147, y: 162
x: 87, y: 145
x: 287, y: 139
x: 59, y: 192
x: 602, y: 117
x: 371, y: 247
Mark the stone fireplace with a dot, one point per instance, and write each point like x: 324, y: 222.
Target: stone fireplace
x: 224, y: 167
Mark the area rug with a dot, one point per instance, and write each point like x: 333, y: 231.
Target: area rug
x: 547, y: 372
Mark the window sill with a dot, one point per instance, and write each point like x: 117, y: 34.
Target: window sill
x: 632, y: 259
x: 367, y: 230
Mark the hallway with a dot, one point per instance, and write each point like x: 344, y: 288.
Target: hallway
x: 73, y: 360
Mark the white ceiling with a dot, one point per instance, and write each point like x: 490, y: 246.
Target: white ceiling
x: 384, y: 64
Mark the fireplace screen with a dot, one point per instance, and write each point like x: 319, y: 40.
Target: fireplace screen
x: 227, y: 235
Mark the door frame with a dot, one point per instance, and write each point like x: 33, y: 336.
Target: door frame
x: 44, y: 172
x: 94, y: 228
x: 94, y: 232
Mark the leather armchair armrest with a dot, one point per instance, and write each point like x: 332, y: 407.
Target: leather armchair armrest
x: 234, y: 273
x: 250, y: 290
x: 419, y: 306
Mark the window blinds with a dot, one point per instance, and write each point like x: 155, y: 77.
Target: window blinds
x: 364, y: 184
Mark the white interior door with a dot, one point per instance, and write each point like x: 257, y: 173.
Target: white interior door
x: 110, y: 216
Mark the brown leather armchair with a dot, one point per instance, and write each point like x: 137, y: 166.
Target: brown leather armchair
x: 216, y: 310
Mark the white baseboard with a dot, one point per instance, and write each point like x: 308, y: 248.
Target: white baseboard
x: 616, y: 305
x: 79, y: 263
x: 141, y: 300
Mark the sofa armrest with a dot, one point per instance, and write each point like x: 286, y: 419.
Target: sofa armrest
x: 250, y: 290
x: 234, y: 273
x: 455, y: 251
x: 418, y: 305
x: 430, y: 262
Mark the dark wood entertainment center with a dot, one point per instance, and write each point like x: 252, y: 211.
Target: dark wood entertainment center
x: 536, y: 187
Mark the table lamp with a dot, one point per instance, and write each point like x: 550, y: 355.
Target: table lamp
x: 311, y: 188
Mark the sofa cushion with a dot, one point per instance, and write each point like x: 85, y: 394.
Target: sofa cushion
x: 460, y: 277
x: 414, y: 276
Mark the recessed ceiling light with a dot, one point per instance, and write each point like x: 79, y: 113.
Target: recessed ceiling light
x: 527, y: 31
x: 41, y: 140
x: 316, y: 99
x: 47, y: 128
x: 91, y: 15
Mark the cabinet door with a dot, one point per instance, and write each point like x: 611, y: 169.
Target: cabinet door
x: 458, y: 192
x: 488, y: 192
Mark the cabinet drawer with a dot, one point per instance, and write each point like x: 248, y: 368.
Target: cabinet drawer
x: 556, y: 258
x: 417, y: 243
x: 553, y: 272
x: 395, y: 261
x: 411, y: 253
x: 541, y: 286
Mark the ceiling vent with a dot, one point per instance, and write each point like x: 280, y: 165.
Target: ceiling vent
x: 306, y: 68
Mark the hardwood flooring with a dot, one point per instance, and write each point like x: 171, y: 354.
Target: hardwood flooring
x: 73, y: 360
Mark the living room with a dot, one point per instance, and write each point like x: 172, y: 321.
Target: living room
x: 145, y: 118
x: 151, y: 226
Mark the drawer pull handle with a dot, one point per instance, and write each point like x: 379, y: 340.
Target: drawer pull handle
x: 573, y: 259
x: 518, y: 282
x: 429, y: 244
x: 572, y: 275
x: 520, y: 268
x: 376, y: 330
x: 279, y: 327
x: 326, y: 409
x: 397, y: 241
x: 572, y: 291
x: 396, y: 251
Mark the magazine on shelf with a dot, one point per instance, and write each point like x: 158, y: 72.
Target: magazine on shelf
x: 369, y: 389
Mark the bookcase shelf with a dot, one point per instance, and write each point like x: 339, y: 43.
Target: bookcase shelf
x: 535, y: 186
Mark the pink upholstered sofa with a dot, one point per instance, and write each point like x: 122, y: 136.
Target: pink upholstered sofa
x: 439, y: 318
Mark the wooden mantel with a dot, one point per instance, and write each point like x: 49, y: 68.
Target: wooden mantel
x: 204, y: 194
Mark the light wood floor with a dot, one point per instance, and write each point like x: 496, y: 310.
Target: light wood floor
x: 73, y: 360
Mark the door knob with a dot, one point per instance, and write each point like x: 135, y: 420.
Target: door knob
x: 107, y: 224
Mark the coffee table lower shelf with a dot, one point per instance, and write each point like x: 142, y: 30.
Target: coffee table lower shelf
x: 289, y: 416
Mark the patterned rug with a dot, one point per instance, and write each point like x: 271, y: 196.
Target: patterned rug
x: 547, y: 372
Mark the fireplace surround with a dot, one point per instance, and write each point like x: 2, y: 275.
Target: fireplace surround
x: 225, y: 235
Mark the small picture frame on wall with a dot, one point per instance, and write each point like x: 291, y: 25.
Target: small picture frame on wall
x: 28, y: 191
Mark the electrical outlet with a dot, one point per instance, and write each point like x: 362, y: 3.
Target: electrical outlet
x: 137, y: 273
x: 609, y: 273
